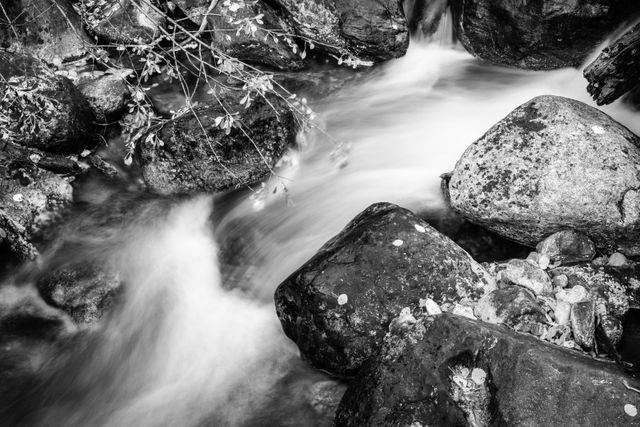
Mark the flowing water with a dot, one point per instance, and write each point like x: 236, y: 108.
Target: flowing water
x: 187, y: 347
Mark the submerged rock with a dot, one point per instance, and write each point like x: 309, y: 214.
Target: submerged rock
x: 448, y: 370
x: 197, y: 155
x: 338, y: 306
x: 537, y: 35
x: 42, y: 110
x: 371, y: 31
x: 550, y: 165
x: 85, y: 290
x: 50, y: 30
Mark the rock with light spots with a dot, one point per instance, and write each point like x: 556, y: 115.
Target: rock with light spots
x: 339, y: 305
x: 30, y: 200
x: 553, y: 164
x: 528, y: 275
x: 567, y: 247
x: 417, y: 376
x: 511, y: 306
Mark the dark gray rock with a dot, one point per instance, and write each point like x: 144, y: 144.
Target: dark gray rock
x: 537, y: 35
x: 86, y: 291
x: 511, y: 306
x: 369, y: 30
x: 528, y: 275
x: 107, y: 95
x: 50, y: 30
x: 41, y: 109
x: 198, y: 156
x: 583, y: 323
x: 550, y: 165
x: 511, y: 379
x: 337, y: 306
x: 567, y: 247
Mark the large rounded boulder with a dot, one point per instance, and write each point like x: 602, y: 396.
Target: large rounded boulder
x: 537, y: 34
x: 553, y: 164
x: 338, y: 306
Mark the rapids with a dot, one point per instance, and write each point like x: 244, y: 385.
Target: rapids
x: 196, y: 341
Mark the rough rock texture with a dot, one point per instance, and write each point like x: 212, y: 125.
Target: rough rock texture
x: 338, y: 305
x: 583, y: 320
x: 107, y: 95
x: 41, y: 109
x: 523, y: 381
x: 193, y: 160
x: 537, y: 34
x: 47, y: 29
x: 368, y: 29
x: 30, y: 199
x: 124, y: 21
x: 567, y: 247
x: 553, y: 164
x: 528, y: 275
x: 603, y: 288
x: 84, y: 290
x: 256, y: 47
x: 510, y: 306
x: 617, y: 69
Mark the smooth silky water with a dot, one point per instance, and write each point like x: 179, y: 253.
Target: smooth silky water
x: 196, y: 341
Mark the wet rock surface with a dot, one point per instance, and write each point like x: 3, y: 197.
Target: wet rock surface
x: 537, y: 35
x: 49, y: 114
x: 550, y: 165
x: 50, y: 30
x: 337, y: 306
x: 197, y: 155
x: 448, y: 370
x: 371, y: 31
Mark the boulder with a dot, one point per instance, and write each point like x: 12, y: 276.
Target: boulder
x: 239, y: 35
x: 448, y: 370
x: 84, y: 290
x: 567, y: 247
x: 31, y: 199
x: 123, y: 21
x: 107, y: 95
x: 368, y: 30
x: 197, y: 155
x: 537, y: 34
x: 337, y: 306
x: 50, y: 30
x: 553, y: 164
x: 41, y: 109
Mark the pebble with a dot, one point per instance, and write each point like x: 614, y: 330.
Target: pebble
x: 343, y: 299
x: 630, y: 410
x: 431, y: 307
x: 478, y: 376
x: 397, y: 243
x: 544, y: 261
x: 572, y: 295
x: 617, y: 260
x: 464, y: 311
x: 560, y: 281
x: 583, y: 323
x: 562, y: 312
x: 18, y: 197
x: 420, y: 228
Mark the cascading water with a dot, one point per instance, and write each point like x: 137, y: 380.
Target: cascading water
x: 186, y: 347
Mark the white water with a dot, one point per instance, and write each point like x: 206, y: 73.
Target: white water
x: 183, y: 351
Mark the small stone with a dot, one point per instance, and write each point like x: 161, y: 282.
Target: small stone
x: 617, y: 260
x: 630, y: 410
x: 420, y: 228
x: 567, y: 247
x: 478, y: 376
x: 544, y: 262
x: 527, y: 275
x: 534, y: 257
x: 397, y: 243
x: 572, y: 295
x: 562, y: 312
x: 343, y: 299
x: 560, y: 281
x: 432, y: 308
x: 583, y: 323
x: 18, y: 197
x: 509, y: 306
x: 612, y: 328
x: 35, y: 158
x: 600, y: 261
